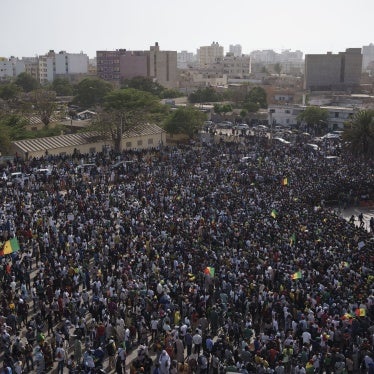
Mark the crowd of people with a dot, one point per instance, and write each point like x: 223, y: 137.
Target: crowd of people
x: 188, y: 260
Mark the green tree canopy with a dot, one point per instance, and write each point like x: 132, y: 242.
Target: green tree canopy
x: 145, y: 84
x: 185, y: 120
x: 360, y: 135
x: 91, y: 92
x: 315, y: 118
x: 124, y: 109
x: 256, y: 95
x: 278, y: 68
x: 204, y: 95
x: 26, y: 82
x: 62, y: 87
x: 44, y: 102
x: 9, y: 91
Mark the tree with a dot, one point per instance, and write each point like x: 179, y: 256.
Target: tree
x: 204, y: 95
x: 251, y: 107
x: 257, y: 95
x: 44, y: 102
x: 26, y: 82
x: 9, y: 91
x: 62, y: 87
x: 278, y: 68
x: 124, y: 109
x: 315, y: 118
x: 185, y: 120
x: 91, y: 92
x: 360, y: 135
x: 144, y: 84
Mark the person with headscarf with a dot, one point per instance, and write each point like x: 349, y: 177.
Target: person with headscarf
x: 164, y: 362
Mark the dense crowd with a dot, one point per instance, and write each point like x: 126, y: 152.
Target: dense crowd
x: 191, y: 258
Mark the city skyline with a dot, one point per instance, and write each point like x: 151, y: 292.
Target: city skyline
x: 34, y: 28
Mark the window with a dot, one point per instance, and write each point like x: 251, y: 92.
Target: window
x: 336, y: 114
x: 140, y: 142
x: 128, y: 145
x: 150, y: 141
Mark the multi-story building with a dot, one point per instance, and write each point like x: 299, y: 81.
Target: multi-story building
x: 237, y: 67
x: 122, y: 64
x: 46, y: 67
x: 6, y: 69
x: 68, y: 64
x: 367, y: 56
x: 208, y: 55
x: 185, y: 59
x: 235, y: 50
x: 287, y: 115
x: 108, y: 64
x: 333, y: 71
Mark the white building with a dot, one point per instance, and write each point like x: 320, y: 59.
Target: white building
x: 208, y: 55
x: 6, y: 69
x: 367, y: 56
x: 46, y: 69
x: 235, y: 50
x: 185, y: 59
x: 71, y: 63
x: 286, y: 115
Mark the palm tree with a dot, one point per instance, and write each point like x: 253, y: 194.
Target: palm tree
x: 360, y: 135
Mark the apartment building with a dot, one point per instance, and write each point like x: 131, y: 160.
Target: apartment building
x: 108, y: 65
x: 237, y: 67
x: 367, y: 56
x: 235, y: 50
x: 122, y: 64
x: 6, y: 69
x: 330, y: 71
x: 208, y: 55
x: 185, y: 59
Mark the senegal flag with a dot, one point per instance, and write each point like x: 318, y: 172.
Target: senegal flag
x: 296, y: 275
x: 209, y: 271
x: 284, y: 181
x: 10, y: 246
x: 360, y: 312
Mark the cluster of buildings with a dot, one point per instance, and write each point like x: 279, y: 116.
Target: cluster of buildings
x: 209, y: 66
x: 46, y: 68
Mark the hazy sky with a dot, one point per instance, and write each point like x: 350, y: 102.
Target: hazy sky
x: 33, y: 27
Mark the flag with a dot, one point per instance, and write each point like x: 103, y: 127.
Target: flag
x: 10, y: 246
x: 296, y: 275
x: 191, y: 277
x: 284, y: 181
x: 293, y: 239
x: 344, y: 265
x: 360, y: 312
x: 274, y: 213
x: 209, y: 271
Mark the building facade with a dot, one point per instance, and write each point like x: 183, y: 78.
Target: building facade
x: 237, y: 67
x: 122, y: 64
x: 6, y: 69
x: 235, y: 50
x: 367, y: 56
x: 333, y: 71
x: 209, y: 55
x: 185, y: 59
x: 108, y: 65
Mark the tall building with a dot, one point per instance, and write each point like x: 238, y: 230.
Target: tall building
x: 367, y: 56
x: 209, y: 55
x: 71, y: 63
x: 185, y: 59
x: 235, y: 50
x: 340, y: 71
x: 122, y: 64
x: 237, y: 67
x: 108, y: 64
x: 6, y: 69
